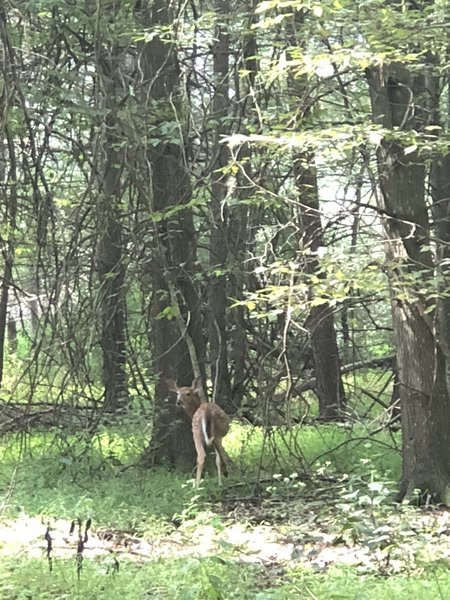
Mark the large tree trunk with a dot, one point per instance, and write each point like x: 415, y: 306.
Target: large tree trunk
x: 176, y: 332
x: 396, y: 97
x: 109, y: 253
x: 111, y: 273
x: 217, y: 289
x: 239, y: 260
x: 440, y: 193
x: 240, y: 235
x: 320, y: 322
x: 8, y: 182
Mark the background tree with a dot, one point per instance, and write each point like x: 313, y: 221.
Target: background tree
x: 320, y: 321
x: 399, y: 101
x: 206, y: 189
x: 110, y: 265
x: 8, y: 176
x: 219, y: 244
x: 177, y: 337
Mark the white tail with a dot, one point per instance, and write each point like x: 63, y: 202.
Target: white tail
x: 209, y: 425
x: 208, y: 440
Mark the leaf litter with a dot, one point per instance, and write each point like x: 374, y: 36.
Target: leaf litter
x: 279, y: 534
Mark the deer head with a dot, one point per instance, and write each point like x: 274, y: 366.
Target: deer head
x: 188, y: 398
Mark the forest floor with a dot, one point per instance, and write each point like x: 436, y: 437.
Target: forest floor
x: 118, y: 531
x: 288, y: 534
x: 320, y: 533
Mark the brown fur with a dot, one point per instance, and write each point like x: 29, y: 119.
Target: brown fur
x: 206, y: 418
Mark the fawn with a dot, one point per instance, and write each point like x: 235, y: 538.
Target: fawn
x: 209, y: 425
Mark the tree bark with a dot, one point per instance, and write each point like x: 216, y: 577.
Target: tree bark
x: 8, y: 180
x: 440, y: 194
x: 397, y: 96
x: 109, y: 251
x: 320, y: 322
x: 176, y: 331
x: 240, y: 216
x: 217, y: 289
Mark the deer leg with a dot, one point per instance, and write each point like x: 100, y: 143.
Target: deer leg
x: 219, y: 467
x: 201, y: 457
x: 221, y: 458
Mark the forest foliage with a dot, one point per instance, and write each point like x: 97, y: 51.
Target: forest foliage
x: 216, y: 190
x: 253, y: 193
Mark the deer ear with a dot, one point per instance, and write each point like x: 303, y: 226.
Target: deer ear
x: 197, y: 385
x: 171, y: 385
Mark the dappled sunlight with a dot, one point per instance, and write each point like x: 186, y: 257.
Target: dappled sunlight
x: 392, y: 541
x: 286, y: 528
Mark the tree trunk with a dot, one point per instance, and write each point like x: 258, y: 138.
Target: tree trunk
x: 440, y: 193
x: 396, y: 97
x: 217, y: 289
x: 240, y: 235
x: 8, y: 182
x: 111, y: 273
x: 320, y: 322
x: 239, y: 264
x: 176, y: 332
x: 109, y: 252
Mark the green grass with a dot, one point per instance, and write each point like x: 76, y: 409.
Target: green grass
x: 54, y: 486
x: 206, y: 579
x: 347, y: 584
x: 171, y: 541
x: 178, y: 579
x: 335, y: 448
x: 63, y: 480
